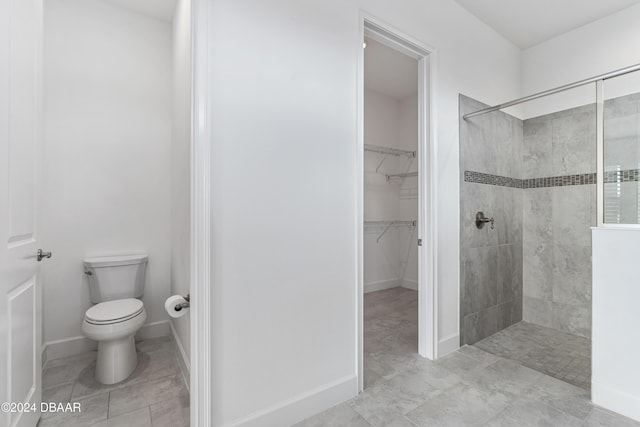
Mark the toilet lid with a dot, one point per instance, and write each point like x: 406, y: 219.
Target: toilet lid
x: 114, y: 311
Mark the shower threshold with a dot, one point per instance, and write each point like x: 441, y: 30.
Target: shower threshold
x: 555, y: 353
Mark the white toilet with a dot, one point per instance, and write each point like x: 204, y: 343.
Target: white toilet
x: 115, y: 284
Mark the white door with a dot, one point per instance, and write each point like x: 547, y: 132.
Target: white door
x: 20, y: 282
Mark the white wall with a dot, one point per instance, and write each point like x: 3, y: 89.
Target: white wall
x: 382, y: 263
x: 283, y: 190
x: 392, y: 261
x: 615, y: 381
x: 408, y: 140
x: 605, y: 45
x: 107, y: 168
x: 181, y: 166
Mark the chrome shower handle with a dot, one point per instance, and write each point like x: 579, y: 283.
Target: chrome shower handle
x: 481, y: 220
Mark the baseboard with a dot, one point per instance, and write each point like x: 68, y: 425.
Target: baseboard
x: 76, y: 345
x: 68, y: 347
x: 302, y: 406
x: 448, y: 344
x: 381, y: 285
x: 615, y: 400
x: 410, y: 284
x: 183, y: 360
x: 154, y: 330
x: 44, y: 356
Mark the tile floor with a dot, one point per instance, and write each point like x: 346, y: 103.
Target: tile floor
x: 154, y: 395
x: 391, y: 333
x: 558, y: 354
x: 470, y: 387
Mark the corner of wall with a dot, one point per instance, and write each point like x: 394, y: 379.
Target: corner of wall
x: 300, y: 407
x: 183, y: 359
x: 448, y: 344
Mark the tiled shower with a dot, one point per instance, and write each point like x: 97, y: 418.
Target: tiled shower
x: 535, y: 181
x: 558, y: 218
x: 536, y: 178
x: 491, y: 264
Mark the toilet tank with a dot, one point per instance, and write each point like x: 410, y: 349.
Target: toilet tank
x: 115, y: 277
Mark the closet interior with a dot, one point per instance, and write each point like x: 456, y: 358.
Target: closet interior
x: 390, y: 210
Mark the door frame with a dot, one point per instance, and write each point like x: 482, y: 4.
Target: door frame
x: 201, y: 339
x: 427, y: 179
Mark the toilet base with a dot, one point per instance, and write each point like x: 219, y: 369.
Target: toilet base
x: 117, y: 359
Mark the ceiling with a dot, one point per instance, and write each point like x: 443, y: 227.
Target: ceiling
x: 159, y: 9
x: 527, y: 23
x: 389, y: 72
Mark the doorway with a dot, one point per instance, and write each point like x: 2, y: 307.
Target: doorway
x: 397, y: 314
x: 118, y: 75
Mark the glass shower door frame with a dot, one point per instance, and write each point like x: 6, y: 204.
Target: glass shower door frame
x: 600, y: 157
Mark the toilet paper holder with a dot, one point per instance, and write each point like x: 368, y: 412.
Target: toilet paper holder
x: 182, y: 305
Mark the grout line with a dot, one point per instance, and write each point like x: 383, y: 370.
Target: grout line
x: 504, y: 410
x: 59, y: 385
x: 164, y: 374
x: 125, y: 384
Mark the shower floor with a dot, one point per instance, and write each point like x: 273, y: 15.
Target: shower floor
x: 558, y: 354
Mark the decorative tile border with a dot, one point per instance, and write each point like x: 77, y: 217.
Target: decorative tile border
x: 560, y: 181
x: 630, y: 175
x: 485, y: 178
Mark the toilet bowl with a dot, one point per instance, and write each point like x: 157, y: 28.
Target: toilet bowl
x: 113, y: 324
x: 116, y: 284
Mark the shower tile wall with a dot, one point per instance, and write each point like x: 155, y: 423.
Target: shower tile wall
x: 491, y: 260
x: 542, y: 242
x: 557, y: 221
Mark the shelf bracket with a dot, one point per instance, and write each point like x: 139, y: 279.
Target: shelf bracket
x: 381, y: 162
x: 385, y: 230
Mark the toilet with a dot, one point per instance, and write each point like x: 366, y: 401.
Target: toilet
x: 115, y: 285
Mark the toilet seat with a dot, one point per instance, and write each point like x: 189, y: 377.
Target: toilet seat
x: 115, y: 311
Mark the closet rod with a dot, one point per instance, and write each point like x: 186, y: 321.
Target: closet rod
x: 389, y: 150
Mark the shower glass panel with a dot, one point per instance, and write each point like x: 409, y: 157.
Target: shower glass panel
x: 622, y: 149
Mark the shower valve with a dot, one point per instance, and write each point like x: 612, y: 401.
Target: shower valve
x: 481, y: 220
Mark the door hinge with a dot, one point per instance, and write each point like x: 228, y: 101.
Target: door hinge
x: 419, y: 242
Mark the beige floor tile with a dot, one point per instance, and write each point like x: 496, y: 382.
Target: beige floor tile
x: 56, y: 394
x: 527, y: 412
x: 92, y: 410
x: 151, y: 366
x: 470, y: 387
x: 462, y: 405
x: 139, y: 418
x: 552, y: 352
x: 133, y: 397
x: 156, y: 379
x: 338, y: 416
x: 603, y: 418
x: 170, y: 413
x: 62, y: 371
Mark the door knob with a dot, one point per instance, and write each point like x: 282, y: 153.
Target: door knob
x: 42, y: 254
